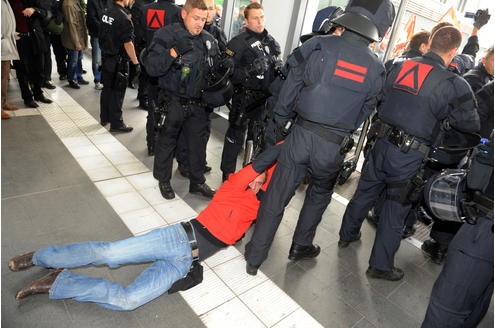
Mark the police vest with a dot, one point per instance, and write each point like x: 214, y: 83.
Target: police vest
x: 338, y: 79
x: 115, y: 25
x: 158, y: 15
x: 188, y: 77
x: 417, y: 96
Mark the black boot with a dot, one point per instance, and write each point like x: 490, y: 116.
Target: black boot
x: 298, y: 252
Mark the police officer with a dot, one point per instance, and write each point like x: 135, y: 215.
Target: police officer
x: 219, y: 35
x: 333, y: 85
x: 255, y: 55
x: 482, y: 73
x: 149, y: 18
x: 420, y: 95
x: 181, y: 56
x: 117, y: 48
x: 462, y: 292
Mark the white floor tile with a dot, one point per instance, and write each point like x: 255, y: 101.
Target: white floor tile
x: 257, y: 299
x: 175, y: 210
x: 84, y: 151
x: 298, y: 319
x: 114, y: 187
x: 101, y: 139
x: 24, y: 112
x: 76, y: 142
x: 153, y: 195
x: 111, y: 147
x: 233, y: 274
x: 132, y: 168
x: 94, y: 162
x: 143, y: 181
x: 127, y: 202
x: 222, y: 256
x: 103, y: 173
x: 120, y: 157
x: 142, y: 220
x: 206, y: 296
x: 231, y: 314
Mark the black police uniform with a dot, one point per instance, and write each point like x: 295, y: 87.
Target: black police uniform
x: 181, y: 82
x: 254, y: 55
x: 181, y: 153
x: 484, y: 97
x: 116, y: 29
x: 333, y: 85
x: 478, y: 77
x: 462, y: 292
x: 149, y: 18
x: 418, y: 95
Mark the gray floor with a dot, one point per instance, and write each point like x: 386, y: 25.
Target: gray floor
x: 48, y: 199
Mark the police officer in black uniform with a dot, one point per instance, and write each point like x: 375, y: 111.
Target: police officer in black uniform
x: 334, y: 83
x: 219, y: 35
x: 482, y: 73
x: 420, y: 95
x: 255, y: 55
x: 462, y: 292
x: 149, y: 18
x: 117, y: 48
x: 181, y: 55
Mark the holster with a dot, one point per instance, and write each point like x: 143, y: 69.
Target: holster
x: 121, y: 76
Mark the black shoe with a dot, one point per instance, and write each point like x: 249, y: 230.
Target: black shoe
x: 345, y: 243
x: 433, y: 250
x: 104, y: 123
x: 207, y: 169
x: 166, y: 189
x: 251, y: 269
x: 48, y: 85
x: 82, y: 82
x: 62, y: 77
x: 392, y: 275
x: 122, y: 129
x: 43, y: 99
x: 84, y: 71
x: 31, y: 103
x: 201, y: 189
x: 183, y: 170
x: 298, y: 252
x: 225, y: 176
x: 151, y: 151
x: 74, y: 85
x: 372, y: 217
x: 408, y: 231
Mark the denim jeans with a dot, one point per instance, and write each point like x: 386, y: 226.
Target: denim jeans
x: 168, y: 248
x: 95, y: 58
x: 74, y: 65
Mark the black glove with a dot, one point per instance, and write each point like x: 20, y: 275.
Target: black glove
x: 259, y: 66
x: 481, y: 18
x: 183, y: 46
x: 137, y: 72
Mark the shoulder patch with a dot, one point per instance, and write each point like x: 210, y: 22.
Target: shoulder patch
x: 230, y: 52
x: 411, y: 77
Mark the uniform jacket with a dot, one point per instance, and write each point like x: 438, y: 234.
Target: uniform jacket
x: 94, y: 10
x: 247, y: 47
x: 9, y: 48
x: 420, y: 93
x: 200, y: 61
x: 234, y: 206
x: 75, y: 31
x: 334, y: 81
x: 478, y: 77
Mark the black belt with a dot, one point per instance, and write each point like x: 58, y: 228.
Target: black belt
x: 23, y: 34
x: 320, y: 130
x: 406, y: 142
x: 192, y: 239
x: 186, y: 101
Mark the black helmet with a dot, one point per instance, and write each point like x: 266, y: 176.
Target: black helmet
x: 220, y: 89
x: 323, y: 22
x: 369, y: 18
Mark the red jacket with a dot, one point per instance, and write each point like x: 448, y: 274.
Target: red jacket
x: 234, y: 206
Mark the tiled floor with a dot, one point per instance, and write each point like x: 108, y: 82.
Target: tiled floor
x: 66, y: 179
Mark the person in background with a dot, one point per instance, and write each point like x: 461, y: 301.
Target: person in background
x: 9, y: 53
x: 95, y: 10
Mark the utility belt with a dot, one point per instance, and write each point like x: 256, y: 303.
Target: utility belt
x: 401, y: 139
x: 24, y: 34
x: 327, y: 134
x: 192, y: 239
x: 185, y: 101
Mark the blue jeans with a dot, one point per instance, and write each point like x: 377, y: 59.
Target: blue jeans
x: 95, y: 58
x: 74, y: 65
x: 168, y: 248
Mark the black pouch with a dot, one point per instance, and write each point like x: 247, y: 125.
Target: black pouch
x: 120, y: 80
x: 193, y: 278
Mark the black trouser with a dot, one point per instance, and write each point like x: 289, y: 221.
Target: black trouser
x: 151, y: 133
x: 302, y: 152
x: 29, y: 68
x: 462, y: 293
x: 111, y: 100
x: 182, y: 151
x: 60, y: 54
x: 192, y: 118
x: 234, y: 137
x: 386, y: 168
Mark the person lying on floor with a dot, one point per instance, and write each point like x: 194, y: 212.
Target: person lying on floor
x: 175, y: 250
